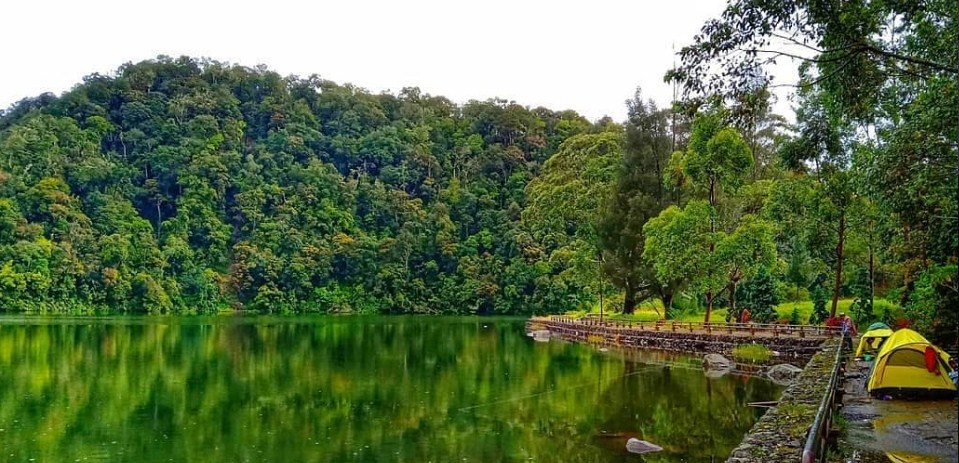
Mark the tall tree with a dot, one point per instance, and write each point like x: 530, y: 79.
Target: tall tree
x: 717, y: 160
x: 637, y: 196
x: 681, y: 246
x: 564, y: 204
x: 822, y: 150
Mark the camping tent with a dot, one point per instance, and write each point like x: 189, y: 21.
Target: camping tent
x: 905, y: 457
x: 872, y: 340
x: 878, y: 325
x: 908, y: 364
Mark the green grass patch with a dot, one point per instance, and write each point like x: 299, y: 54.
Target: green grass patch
x: 754, y: 353
x: 652, y: 310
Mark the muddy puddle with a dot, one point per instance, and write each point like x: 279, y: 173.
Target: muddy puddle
x: 897, y: 430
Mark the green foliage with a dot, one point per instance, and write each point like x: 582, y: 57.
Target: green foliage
x: 759, y: 295
x: 873, y: 159
x: 862, y: 291
x: 794, y: 316
x: 932, y: 306
x: 637, y: 195
x: 718, y: 158
x: 181, y: 185
x: 680, y: 246
x: 754, y: 353
x: 819, y: 295
x: 678, y: 243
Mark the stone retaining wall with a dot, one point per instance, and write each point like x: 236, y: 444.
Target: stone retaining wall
x: 696, y: 342
x: 780, y: 434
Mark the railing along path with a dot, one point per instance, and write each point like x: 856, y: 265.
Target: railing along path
x: 818, y: 439
x: 749, y: 329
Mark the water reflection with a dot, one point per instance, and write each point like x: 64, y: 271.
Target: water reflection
x: 349, y: 389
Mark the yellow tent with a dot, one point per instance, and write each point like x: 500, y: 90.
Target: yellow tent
x: 871, y: 341
x: 905, y: 457
x: 901, y: 368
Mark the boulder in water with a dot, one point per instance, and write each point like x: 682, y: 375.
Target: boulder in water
x: 716, y: 362
x: 714, y: 373
x: 784, y: 373
x: 540, y: 335
x: 634, y: 445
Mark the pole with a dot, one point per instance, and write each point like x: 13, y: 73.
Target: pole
x: 599, y: 266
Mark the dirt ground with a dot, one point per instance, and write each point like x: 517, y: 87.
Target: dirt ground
x: 884, y: 430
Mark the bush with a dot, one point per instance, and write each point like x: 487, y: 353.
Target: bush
x: 794, y: 316
x: 791, y: 293
x: 752, y: 353
x: 759, y: 295
x: 931, y: 307
x: 862, y: 306
x: 818, y: 294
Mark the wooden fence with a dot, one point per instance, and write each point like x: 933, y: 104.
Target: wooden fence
x: 747, y: 329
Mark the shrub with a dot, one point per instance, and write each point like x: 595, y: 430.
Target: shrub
x: 752, y: 353
x: 818, y: 294
x: 794, y: 316
x: 759, y: 295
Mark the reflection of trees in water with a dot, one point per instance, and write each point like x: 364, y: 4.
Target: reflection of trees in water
x: 410, y: 389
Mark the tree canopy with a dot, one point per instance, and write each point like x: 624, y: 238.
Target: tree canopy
x: 180, y: 184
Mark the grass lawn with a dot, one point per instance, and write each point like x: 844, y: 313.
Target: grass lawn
x: 652, y: 310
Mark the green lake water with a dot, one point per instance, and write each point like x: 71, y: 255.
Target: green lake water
x: 350, y: 389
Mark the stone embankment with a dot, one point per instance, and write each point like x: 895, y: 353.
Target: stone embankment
x: 780, y: 434
x: 788, y: 346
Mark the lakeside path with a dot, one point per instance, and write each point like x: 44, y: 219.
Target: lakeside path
x: 788, y: 341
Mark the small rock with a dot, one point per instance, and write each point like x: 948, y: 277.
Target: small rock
x: 540, y: 335
x: 716, y: 362
x: 784, y: 373
x: 634, y: 445
x: 718, y: 372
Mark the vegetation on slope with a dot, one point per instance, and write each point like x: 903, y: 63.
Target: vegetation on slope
x: 186, y: 185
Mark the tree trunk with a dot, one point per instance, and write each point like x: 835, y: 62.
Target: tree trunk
x: 159, y: 220
x: 712, y: 246
x: 709, y: 305
x: 667, y: 299
x: 872, y: 278
x: 839, y: 254
x: 732, y: 300
x: 629, y: 301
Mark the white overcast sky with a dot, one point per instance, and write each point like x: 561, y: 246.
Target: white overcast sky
x: 585, y: 56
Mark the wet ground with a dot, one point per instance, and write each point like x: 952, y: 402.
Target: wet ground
x: 896, y: 430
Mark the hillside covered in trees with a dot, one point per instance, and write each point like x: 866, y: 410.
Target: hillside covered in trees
x: 189, y: 185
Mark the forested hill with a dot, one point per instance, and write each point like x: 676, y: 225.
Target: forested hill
x: 188, y: 185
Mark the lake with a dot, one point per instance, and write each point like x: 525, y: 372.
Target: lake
x: 344, y: 389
